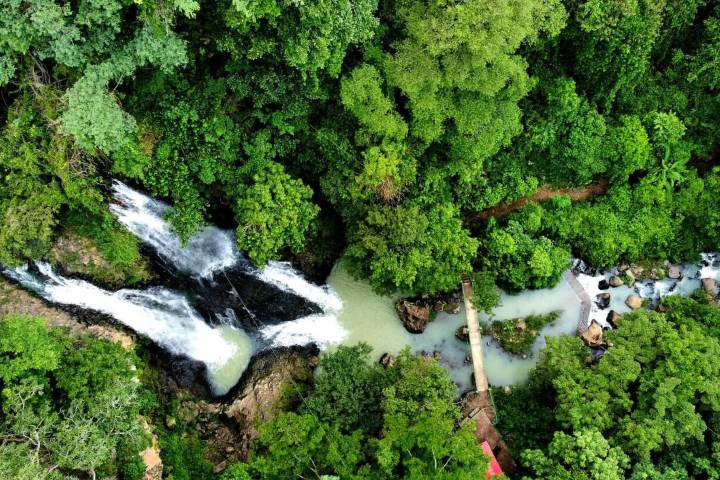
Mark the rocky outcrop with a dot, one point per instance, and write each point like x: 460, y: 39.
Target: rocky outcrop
x: 414, y: 313
x: 15, y: 300
x: 260, y: 394
x: 634, y: 301
x: 77, y: 255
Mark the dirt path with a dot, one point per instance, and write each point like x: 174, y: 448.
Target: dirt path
x: 544, y: 193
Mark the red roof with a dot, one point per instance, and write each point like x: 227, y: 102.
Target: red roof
x: 494, y: 468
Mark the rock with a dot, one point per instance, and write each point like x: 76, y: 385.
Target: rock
x: 520, y: 325
x: 468, y: 359
x: 151, y: 456
x: 414, y: 314
x: 633, y: 301
x: 593, y: 336
x: 463, y: 333
x: 439, y: 306
x: 629, y: 278
x: 258, y: 397
x: 452, y: 308
x: 387, y: 360
x: 603, y: 284
x: 675, y: 272
x: 709, y: 285
x: 616, y: 281
x: 603, y: 300
x: 613, y: 318
x: 220, y: 467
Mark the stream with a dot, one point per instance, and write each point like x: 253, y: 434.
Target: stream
x: 217, y: 309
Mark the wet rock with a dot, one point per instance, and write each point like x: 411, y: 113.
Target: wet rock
x: 603, y: 284
x: 674, y: 272
x: 629, y: 278
x: 452, y: 308
x: 709, y: 285
x: 463, y: 333
x: 593, y: 336
x: 439, y: 306
x: 613, y: 318
x: 387, y: 360
x: 602, y: 300
x: 468, y: 359
x: 616, y: 281
x: 414, y: 313
x: 258, y: 397
x: 633, y: 301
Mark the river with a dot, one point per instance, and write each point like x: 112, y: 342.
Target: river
x: 220, y: 320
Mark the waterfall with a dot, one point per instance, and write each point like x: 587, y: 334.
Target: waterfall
x: 160, y: 314
x: 167, y: 318
x: 208, y: 251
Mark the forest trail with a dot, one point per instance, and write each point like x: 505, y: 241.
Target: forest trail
x: 544, y: 193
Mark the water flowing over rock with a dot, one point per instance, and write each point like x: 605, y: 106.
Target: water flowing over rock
x: 214, y: 308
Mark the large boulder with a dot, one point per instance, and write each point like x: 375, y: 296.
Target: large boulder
x: 593, y: 336
x: 674, y: 272
x: 387, y: 360
x: 602, y: 300
x: 463, y: 333
x: 414, y: 313
x: 634, y: 301
x: 259, y: 396
x: 709, y: 285
x: 613, y: 318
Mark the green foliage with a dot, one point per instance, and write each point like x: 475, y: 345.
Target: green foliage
x: 585, y: 455
x: 521, y: 261
x: 273, y: 213
x: 404, y: 420
x: 183, y: 459
x: 347, y: 390
x: 68, y: 405
x: 401, y: 248
x: 518, y: 339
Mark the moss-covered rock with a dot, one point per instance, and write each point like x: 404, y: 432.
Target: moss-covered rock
x: 518, y: 335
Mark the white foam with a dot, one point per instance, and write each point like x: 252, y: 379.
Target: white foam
x: 323, y: 329
x: 210, y: 250
x: 283, y: 276
x: 160, y: 314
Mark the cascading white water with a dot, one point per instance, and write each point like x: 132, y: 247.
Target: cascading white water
x: 213, y: 250
x: 160, y: 314
x: 209, y: 250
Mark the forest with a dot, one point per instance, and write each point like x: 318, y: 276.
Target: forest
x: 416, y: 140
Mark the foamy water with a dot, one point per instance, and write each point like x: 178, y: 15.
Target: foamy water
x: 160, y: 314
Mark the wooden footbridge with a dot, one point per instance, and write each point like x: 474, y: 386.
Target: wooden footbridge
x: 481, y: 383
x: 479, y: 406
